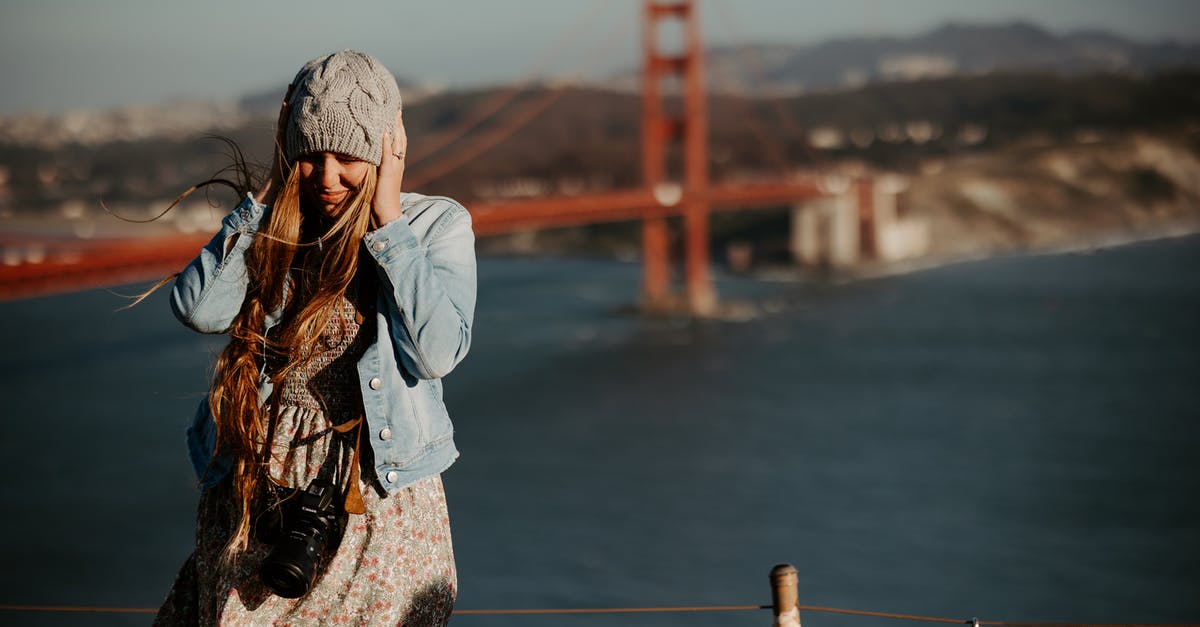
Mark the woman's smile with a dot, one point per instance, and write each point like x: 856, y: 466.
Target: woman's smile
x: 332, y: 197
x: 327, y: 178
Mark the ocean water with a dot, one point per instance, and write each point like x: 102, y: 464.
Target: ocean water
x: 1012, y: 439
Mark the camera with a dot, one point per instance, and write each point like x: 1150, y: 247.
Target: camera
x: 305, y: 531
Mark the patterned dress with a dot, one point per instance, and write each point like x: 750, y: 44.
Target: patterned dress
x: 395, y: 563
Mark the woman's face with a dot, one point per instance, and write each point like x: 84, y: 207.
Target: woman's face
x: 327, y: 179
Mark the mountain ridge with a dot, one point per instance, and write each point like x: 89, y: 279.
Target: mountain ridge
x: 954, y: 48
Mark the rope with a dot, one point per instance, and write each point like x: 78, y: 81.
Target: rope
x: 976, y: 621
x: 652, y: 610
x: 1026, y: 624
x: 616, y: 610
x: 73, y: 608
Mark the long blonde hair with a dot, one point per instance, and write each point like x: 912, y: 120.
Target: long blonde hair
x: 300, y: 264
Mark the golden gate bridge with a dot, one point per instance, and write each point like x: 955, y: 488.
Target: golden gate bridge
x: 676, y: 191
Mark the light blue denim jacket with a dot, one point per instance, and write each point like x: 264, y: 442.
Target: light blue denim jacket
x: 426, y: 264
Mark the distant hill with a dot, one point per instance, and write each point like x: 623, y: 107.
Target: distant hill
x: 758, y: 70
x: 588, y: 139
x: 994, y: 161
x: 953, y: 49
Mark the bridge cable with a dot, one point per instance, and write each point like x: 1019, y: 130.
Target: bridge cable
x: 515, y: 121
x: 750, y: 117
x: 497, y: 101
x: 751, y: 62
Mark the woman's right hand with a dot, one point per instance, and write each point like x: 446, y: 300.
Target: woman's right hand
x: 274, y: 180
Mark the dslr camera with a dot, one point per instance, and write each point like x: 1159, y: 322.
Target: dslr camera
x: 305, y: 530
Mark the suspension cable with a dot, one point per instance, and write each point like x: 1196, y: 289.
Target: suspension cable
x: 752, y: 64
x: 497, y: 101
x: 429, y: 172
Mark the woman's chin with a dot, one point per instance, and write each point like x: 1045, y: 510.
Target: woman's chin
x: 332, y: 208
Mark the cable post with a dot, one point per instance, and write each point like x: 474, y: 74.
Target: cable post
x: 785, y: 596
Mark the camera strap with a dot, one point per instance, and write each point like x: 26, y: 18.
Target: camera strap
x: 354, y: 501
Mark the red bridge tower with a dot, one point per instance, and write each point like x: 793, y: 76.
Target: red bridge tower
x: 667, y: 138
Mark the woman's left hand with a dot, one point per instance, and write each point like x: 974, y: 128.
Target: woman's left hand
x: 391, y: 173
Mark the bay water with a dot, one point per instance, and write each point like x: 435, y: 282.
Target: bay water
x: 1016, y: 438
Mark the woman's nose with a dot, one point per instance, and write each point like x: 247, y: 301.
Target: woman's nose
x: 329, y: 174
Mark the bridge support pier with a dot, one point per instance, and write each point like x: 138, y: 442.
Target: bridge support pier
x: 656, y: 264
x: 701, y: 297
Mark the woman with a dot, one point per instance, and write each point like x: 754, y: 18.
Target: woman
x: 346, y: 302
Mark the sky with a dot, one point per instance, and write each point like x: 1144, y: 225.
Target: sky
x: 60, y: 55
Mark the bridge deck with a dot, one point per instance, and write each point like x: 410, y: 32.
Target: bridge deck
x: 74, y: 264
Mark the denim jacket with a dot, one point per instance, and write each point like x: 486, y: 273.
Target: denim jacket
x: 426, y: 303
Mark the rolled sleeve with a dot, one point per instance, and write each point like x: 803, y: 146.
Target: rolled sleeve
x: 428, y: 288
x: 208, y: 293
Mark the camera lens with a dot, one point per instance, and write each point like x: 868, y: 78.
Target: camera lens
x: 290, y: 568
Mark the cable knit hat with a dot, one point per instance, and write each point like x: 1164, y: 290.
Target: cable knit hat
x: 342, y: 102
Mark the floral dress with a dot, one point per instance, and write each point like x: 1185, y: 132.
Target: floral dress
x: 395, y: 563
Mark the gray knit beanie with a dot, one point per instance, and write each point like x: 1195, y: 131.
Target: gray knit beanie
x: 342, y: 102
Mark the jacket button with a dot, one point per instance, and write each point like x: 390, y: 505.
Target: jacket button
x: 375, y: 383
x: 379, y: 246
x: 392, y: 476
x: 385, y: 434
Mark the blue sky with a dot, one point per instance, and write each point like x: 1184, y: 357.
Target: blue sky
x: 57, y: 55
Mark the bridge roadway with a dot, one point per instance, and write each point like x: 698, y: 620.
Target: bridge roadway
x: 73, y: 264
x: 491, y: 218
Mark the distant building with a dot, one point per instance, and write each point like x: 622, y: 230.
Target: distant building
x: 915, y: 66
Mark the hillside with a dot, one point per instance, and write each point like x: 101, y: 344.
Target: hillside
x: 950, y: 50
x: 994, y: 162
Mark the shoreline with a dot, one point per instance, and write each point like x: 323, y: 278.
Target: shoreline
x: 876, y: 270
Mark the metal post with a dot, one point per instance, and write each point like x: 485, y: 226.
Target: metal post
x: 785, y: 596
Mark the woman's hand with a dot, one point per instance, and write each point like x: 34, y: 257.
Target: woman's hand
x: 274, y: 182
x: 391, y: 172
